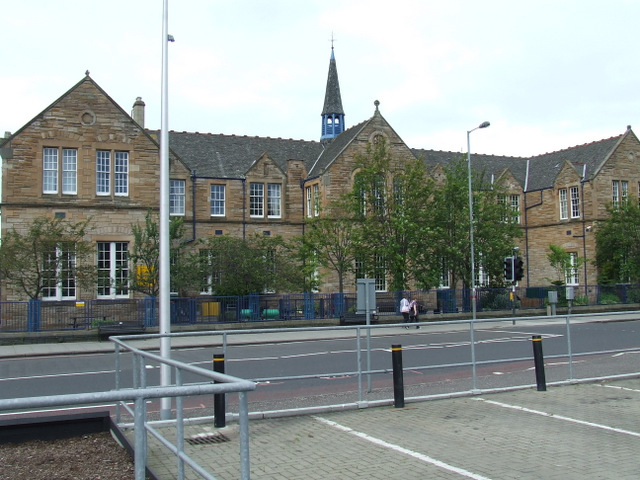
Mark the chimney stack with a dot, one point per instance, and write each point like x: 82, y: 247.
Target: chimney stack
x: 138, y: 112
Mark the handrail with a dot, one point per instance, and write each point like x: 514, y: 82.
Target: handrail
x: 216, y: 383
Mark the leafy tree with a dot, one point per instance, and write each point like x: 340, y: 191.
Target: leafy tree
x: 389, y: 206
x: 235, y: 266
x: 51, y: 252
x: 618, y: 245
x: 495, y: 229
x: 328, y: 241
x: 560, y: 260
x: 145, y: 257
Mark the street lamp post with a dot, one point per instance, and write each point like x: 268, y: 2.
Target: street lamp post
x: 473, y: 267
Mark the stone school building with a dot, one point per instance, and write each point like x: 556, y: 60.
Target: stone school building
x: 85, y: 156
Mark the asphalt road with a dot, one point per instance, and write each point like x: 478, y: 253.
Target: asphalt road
x: 314, y: 370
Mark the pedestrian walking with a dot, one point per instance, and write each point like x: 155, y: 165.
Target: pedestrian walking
x: 405, y: 309
x: 413, y: 311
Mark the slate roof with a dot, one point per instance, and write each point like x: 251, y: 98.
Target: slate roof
x: 231, y: 156
x: 544, y: 168
x: 332, y: 98
x: 333, y: 149
x: 490, y: 164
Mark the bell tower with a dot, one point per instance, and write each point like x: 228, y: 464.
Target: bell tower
x: 332, y: 112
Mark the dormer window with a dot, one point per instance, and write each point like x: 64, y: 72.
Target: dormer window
x: 564, y: 196
x: 273, y: 204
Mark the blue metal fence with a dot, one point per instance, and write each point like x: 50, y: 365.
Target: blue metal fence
x: 39, y: 315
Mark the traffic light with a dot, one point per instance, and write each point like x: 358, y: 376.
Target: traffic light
x: 518, y: 268
x: 508, y: 269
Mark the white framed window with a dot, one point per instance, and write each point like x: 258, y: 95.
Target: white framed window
x: 575, y: 202
x: 513, y: 205
x: 380, y: 274
x: 269, y: 199
x: 379, y: 192
x: 50, y: 170
x: 274, y: 200
x: 59, y: 282
x: 572, y: 277
x: 69, y: 171
x: 515, y: 208
x: 177, y: 197
x: 256, y: 200
x: 380, y: 280
x: 619, y: 191
x: 562, y: 202
x: 113, y: 269
x: 50, y: 173
x: 482, y: 277
x: 121, y: 174
x: 104, y: 176
x: 307, y: 192
x: 217, y: 200
x: 103, y: 172
x: 316, y: 199
x: 398, y: 190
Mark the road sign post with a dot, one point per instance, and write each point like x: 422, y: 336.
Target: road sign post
x: 366, y: 302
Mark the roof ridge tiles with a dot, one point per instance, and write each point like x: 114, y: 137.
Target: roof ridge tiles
x: 594, y: 142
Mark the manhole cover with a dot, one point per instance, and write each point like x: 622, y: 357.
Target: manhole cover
x: 207, y: 439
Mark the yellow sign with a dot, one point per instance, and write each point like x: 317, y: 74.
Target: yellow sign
x: 145, y: 276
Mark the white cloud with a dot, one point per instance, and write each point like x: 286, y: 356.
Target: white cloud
x: 548, y: 75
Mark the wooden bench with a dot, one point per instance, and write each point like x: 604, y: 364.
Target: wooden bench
x: 353, y: 318
x: 120, y: 328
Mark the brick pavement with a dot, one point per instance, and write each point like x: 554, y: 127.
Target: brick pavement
x: 568, y: 432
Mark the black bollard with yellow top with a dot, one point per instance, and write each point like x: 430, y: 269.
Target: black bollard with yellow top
x: 398, y: 379
x: 219, y: 413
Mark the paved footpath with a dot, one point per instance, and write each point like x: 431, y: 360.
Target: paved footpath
x: 585, y: 431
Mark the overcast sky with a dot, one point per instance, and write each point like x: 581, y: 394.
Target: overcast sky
x: 548, y: 75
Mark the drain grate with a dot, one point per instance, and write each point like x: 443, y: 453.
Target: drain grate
x: 207, y: 439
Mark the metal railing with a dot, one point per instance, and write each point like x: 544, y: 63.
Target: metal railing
x: 141, y: 392
x: 363, y: 356
x: 39, y: 315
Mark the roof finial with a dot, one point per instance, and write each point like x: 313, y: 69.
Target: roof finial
x: 376, y: 103
x: 87, y: 73
x: 332, y: 39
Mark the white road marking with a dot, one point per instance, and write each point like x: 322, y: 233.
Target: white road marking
x: 559, y: 417
x: 624, y: 353
x: 399, y: 449
x: 626, y: 389
x: 56, y: 375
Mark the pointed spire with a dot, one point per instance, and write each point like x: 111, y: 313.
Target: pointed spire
x: 332, y: 112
